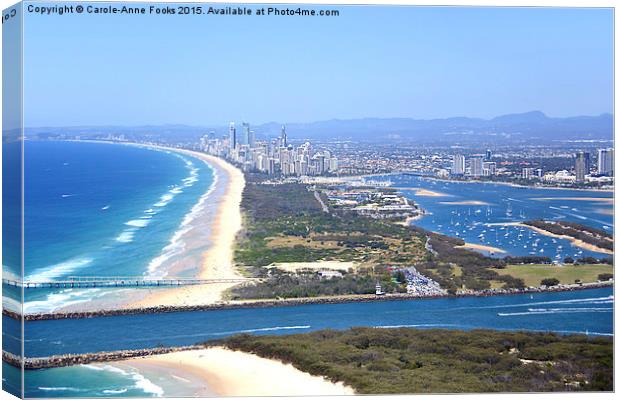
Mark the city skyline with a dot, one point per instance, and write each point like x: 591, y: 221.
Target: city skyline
x: 428, y: 63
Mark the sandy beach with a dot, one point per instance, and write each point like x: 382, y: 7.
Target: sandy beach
x: 409, y: 220
x: 424, y: 192
x: 217, y: 371
x: 481, y: 247
x: 217, y: 261
x: 576, y: 242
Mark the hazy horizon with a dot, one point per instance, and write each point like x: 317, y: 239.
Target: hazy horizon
x: 225, y: 123
x: 371, y: 61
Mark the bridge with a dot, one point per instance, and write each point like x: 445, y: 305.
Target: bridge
x: 117, y: 281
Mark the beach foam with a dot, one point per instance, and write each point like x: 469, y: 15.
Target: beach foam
x: 61, y: 388
x: 140, y: 382
x: 60, y: 299
x: 60, y: 269
x: 138, y: 223
x: 176, y: 245
x: 126, y: 236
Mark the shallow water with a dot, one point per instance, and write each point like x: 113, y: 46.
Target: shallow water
x: 482, y: 224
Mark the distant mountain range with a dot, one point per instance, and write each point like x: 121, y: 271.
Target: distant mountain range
x: 530, y: 125
x: 533, y: 125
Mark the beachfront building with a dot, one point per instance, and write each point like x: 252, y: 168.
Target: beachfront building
x: 232, y: 135
x: 476, y: 166
x: 273, y: 157
x: 581, y: 166
x: 605, y: 164
x: 458, y: 164
x: 489, y: 168
x: 527, y: 173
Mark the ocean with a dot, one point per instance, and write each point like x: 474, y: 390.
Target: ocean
x: 98, y: 209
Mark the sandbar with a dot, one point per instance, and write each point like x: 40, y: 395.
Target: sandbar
x: 481, y: 247
x: 576, y: 242
x: 466, y: 203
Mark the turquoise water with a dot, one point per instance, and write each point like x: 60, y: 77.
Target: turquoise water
x: 101, y: 209
x: 586, y: 312
x: 482, y: 224
x: 104, y: 210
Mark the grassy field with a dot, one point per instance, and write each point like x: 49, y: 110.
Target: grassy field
x: 533, y: 274
x: 405, y: 360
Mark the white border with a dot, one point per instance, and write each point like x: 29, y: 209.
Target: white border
x: 485, y: 3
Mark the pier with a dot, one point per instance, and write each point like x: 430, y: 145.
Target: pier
x: 116, y: 281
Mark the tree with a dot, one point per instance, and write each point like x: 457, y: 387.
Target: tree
x: 549, y: 282
x: 605, y: 277
x: 400, y: 277
x: 569, y: 260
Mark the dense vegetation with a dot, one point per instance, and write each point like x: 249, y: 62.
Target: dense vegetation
x: 454, y: 267
x: 381, y: 361
x: 593, y: 236
x: 309, y: 284
x: 286, y: 224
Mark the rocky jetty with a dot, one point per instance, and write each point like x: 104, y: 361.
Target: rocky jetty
x: 87, y: 358
x: 291, y: 302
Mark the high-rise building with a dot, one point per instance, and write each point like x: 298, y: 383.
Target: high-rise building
x: 489, y: 168
x: 333, y: 164
x: 580, y: 167
x: 458, y: 165
x: 245, y: 136
x: 283, y: 137
x: 475, y: 166
x: 527, y: 173
x: 232, y: 135
x: 488, y: 155
x: 252, y: 139
x: 605, y: 162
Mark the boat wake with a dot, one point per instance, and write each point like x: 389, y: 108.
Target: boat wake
x: 540, y: 311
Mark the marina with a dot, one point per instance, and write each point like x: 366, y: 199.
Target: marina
x: 496, y: 224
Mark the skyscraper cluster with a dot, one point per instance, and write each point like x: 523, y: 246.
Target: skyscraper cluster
x: 604, y: 167
x: 478, y: 165
x: 274, y: 157
x: 605, y: 162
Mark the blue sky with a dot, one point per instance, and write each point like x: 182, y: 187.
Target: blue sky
x: 368, y: 62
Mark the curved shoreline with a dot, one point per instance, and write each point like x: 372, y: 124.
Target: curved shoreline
x: 217, y: 223
x: 289, y: 302
x: 217, y: 260
x: 208, y: 369
x: 574, y: 241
